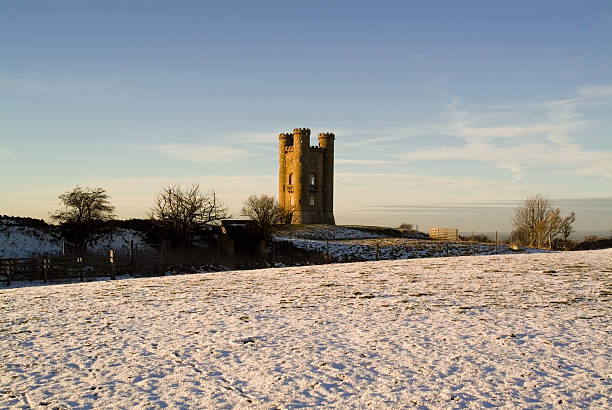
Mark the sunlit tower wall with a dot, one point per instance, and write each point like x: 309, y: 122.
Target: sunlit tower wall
x: 326, y: 143
x: 306, y: 177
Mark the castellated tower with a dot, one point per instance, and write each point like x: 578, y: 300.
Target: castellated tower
x: 306, y: 177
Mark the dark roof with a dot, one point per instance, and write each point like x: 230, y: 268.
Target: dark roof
x: 237, y: 227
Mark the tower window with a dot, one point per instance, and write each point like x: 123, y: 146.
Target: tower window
x: 290, y: 179
x: 312, y: 180
x: 311, y: 200
x: 292, y: 201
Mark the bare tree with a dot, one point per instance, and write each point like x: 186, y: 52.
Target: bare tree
x: 182, y: 211
x: 540, y: 221
x: 406, y: 227
x: 566, y: 226
x: 265, y: 210
x: 84, y: 214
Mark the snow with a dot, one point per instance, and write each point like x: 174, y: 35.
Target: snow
x: 524, y: 330
x: 394, y: 248
x: 119, y: 240
x: 25, y: 242
x: 325, y: 232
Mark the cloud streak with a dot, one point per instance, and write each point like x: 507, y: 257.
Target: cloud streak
x: 361, y: 161
x: 201, y: 154
x: 515, y: 147
x: 357, y: 189
x: 602, y: 90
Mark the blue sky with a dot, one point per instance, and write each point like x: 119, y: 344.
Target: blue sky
x: 431, y: 102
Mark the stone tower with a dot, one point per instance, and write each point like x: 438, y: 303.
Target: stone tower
x: 306, y: 177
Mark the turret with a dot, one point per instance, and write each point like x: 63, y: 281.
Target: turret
x: 301, y: 139
x: 285, y: 139
x: 326, y: 140
x: 301, y: 146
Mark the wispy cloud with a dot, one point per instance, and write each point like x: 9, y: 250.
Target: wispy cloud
x: 465, y: 129
x: 514, y: 168
x: 253, y: 137
x: 562, y: 152
x: 361, y: 161
x: 377, y: 135
x: 201, y: 154
x: 538, y: 105
x: 601, y: 90
x: 26, y: 84
x: 355, y: 189
x: 344, y: 136
x: 370, y: 141
x: 6, y: 151
x: 101, y: 89
x: 516, y: 146
x: 268, y: 148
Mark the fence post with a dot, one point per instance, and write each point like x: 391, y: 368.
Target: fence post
x: 132, y: 257
x: 161, y: 257
x: 46, y: 267
x: 112, y: 264
x: 273, y: 252
x: 496, y: 242
x: 376, y: 252
x: 447, y: 248
x: 63, y: 247
x: 9, y: 273
x: 45, y: 271
x: 79, y: 265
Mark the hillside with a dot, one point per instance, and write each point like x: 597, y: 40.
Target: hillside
x: 524, y: 330
x: 26, y: 237
x: 360, y: 243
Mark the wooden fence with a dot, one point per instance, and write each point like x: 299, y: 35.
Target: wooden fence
x: 447, y: 234
x: 73, y: 267
x: 43, y: 268
x: 153, y: 262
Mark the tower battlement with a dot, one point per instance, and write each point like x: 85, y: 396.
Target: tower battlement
x: 306, y: 177
x: 285, y: 140
x: 301, y: 131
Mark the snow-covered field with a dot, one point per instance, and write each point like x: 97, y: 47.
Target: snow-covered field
x: 394, y: 248
x: 324, y: 232
x: 524, y: 330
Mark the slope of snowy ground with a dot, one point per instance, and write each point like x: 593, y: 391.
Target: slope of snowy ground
x: 24, y: 242
x: 524, y: 330
x: 119, y: 241
x: 393, y: 248
x: 324, y: 232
